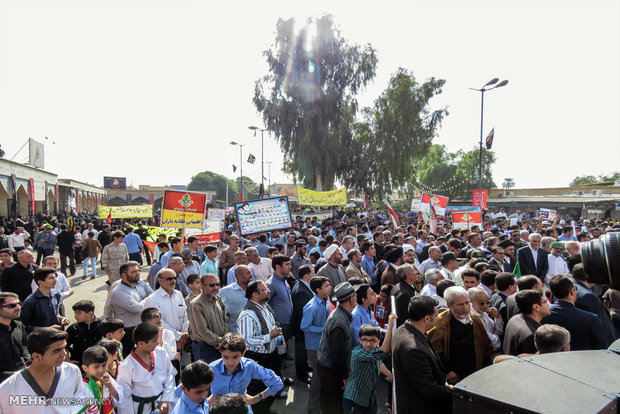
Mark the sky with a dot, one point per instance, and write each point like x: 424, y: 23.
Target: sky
x: 155, y: 90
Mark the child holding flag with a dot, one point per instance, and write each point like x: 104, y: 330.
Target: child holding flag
x: 97, y: 384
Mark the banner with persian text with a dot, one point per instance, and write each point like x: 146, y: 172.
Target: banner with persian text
x: 144, y: 211
x: 307, y: 197
x: 183, y: 209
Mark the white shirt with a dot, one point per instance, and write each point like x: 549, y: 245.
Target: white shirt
x: 169, y: 344
x: 85, y: 234
x: 535, y: 254
x: 173, y: 310
x: 494, y: 328
x: 17, y: 240
x: 136, y: 379
x: 69, y: 386
x: 557, y: 266
x: 263, y: 270
x: 429, y: 290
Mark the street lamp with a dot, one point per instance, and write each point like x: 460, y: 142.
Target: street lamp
x: 482, y: 91
x: 269, y: 186
x: 262, y: 155
x: 240, y: 166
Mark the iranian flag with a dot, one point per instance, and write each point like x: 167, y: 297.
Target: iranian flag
x: 391, y: 213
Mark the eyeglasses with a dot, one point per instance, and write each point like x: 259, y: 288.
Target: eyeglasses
x: 10, y: 305
x: 369, y: 341
x: 170, y: 278
x: 213, y: 284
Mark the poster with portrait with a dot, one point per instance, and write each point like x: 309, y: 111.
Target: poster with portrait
x: 259, y: 216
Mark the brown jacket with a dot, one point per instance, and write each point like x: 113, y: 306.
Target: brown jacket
x: 92, y: 247
x: 439, y: 337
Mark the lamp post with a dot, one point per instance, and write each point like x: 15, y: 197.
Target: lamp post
x: 240, y: 167
x: 262, y: 154
x: 269, y: 185
x: 494, y: 84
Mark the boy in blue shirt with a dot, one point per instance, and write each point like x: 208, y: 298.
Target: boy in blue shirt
x: 196, y: 380
x: 366, y: 363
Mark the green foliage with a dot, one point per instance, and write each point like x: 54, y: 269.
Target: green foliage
x: 467, y: 169
x: 591, y: 179
x: 250, y: 188
x: 437, y: 170
x: 395, y: 133
x: 210, y: 181
x: 307, y: 99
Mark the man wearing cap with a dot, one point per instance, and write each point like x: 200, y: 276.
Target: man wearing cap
x: 557, y: 263
x: 449, y: 263
x: 434, y: 254
x: 333, y: 270
x: 394, y: 257
x: 532, y: 259
x: 334, y: 353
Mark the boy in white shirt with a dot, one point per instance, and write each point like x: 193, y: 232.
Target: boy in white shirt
x: 97, y: 383
x: 146, y: 375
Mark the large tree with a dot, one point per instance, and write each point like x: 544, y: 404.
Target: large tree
x: 467, y: 170
x: 308, y: 98
x: 436, y: 172
x: 210, y: 181
x: 395, y: 134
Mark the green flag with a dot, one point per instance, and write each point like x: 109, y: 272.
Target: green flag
x: 517, y: 271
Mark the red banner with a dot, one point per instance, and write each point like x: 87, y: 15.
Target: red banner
x: 480, y: 198
x: 32, y: 196
x: 151, y: 198
x: 438, y: 202
x: 466, y: 219
x: 56, y: 196
x: 207, y: 238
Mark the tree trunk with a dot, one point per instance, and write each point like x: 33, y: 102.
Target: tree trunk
x: 318, y: 179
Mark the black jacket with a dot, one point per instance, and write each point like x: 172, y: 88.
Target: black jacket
x: 526, y: 262
x: 65, y: 241
x: 82, y: 336
x: 13, y: 349
x: 425, y: 391
x: 586, y: 329
x: 402, y: 293
x: 301, y: 295
x: 18, y: 279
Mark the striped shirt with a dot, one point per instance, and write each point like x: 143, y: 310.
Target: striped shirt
x: 207, y: 320
x: 249, y: 328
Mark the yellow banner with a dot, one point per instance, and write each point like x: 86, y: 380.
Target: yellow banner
x: 307, y: 197
x: 144, y: 211
x: 153, y: 232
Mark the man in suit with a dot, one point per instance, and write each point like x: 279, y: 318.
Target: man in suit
x: 533, y: 259
x: 588, y: 301
x: 394, y: 257
x: 498, y: 259
x: 510, y: 256
x: 424, y: 392
x: 301, y: 294
x: 403, y: 291
x: 586, y: 329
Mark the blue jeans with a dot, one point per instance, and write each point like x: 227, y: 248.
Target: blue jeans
x: 93, y: 265
x: 205, y: 352
x: 351, y: 407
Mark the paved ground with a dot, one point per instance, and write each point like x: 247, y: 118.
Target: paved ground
x: 96, y: 290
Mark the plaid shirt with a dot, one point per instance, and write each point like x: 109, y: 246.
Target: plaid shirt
x: 364, y: 375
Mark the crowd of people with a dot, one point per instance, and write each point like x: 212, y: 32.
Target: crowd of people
x: 365, y: 300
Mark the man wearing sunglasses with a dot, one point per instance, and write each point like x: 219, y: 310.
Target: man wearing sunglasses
x: 12, y: 336
x: 208, y: 321
x: 172, y: 306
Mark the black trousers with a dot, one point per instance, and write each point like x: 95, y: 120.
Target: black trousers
x: 331, y: 390
x: 271, y: 361
x: 301, y: 357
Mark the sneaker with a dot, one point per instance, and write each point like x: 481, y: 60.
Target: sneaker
x: 92, y: 277
x: 84, y: 277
